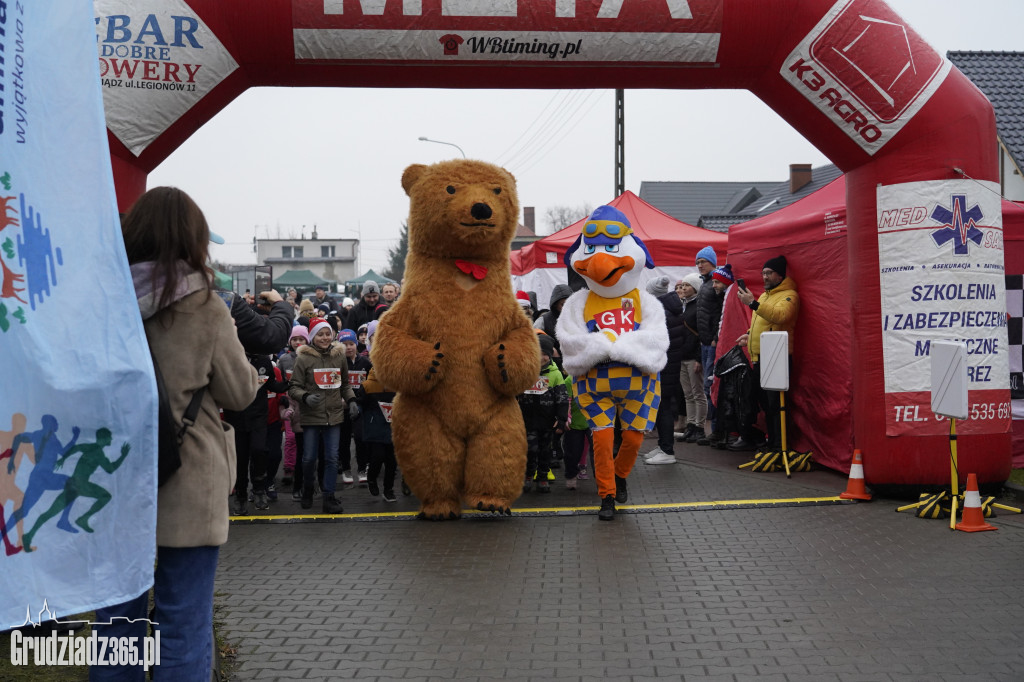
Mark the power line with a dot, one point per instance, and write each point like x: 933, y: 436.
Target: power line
x: 545, y: 125
x: 552, y: 138
x: 547, y: 149
x: 529, y: 127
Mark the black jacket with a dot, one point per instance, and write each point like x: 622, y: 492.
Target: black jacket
x: 540, y: 410
x: 331, y: 305
x: 709, y: 312
x: 376, y: 425
x: 677, y: 332
x: 736, y: 387
x: 361, y: 313
x: 262, y: 333
x: 690, y: 347
x: 254, y: 417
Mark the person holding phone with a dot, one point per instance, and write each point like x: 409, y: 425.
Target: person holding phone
x: 775, y: 311
x: 263, y: 333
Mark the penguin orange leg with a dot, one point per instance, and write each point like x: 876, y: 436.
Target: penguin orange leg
x: 604, y: 462
x: 628, y: 449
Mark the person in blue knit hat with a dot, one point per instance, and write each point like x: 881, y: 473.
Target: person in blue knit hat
x: 706, y: 254
x: 709, y: 314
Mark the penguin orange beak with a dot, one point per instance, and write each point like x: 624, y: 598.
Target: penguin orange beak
x: 604, y: 269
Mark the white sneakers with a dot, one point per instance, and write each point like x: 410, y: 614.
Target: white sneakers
x: 659, y: 456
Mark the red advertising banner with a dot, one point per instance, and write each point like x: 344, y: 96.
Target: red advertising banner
x: 910, y: 414
x: 644, y: 31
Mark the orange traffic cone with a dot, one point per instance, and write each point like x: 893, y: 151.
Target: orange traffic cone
x: 855, y: 489
x: 973, y: 519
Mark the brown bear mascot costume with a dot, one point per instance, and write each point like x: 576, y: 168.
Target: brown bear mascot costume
x: 456, y: 345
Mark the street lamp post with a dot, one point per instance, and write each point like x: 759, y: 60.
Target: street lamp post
x: 450, y: 144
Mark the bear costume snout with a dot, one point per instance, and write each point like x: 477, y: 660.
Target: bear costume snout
x: 480, y: 211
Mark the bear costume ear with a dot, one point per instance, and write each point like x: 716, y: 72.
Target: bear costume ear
x: 411, y: 175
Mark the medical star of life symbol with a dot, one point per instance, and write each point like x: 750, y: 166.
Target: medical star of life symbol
x: 958, y: 225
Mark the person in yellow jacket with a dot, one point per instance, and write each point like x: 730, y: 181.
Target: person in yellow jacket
x: 775, y: 311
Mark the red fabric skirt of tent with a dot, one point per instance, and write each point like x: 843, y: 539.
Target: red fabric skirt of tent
x: 819, y: 401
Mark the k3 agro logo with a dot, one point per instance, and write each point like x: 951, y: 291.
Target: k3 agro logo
x: 28, y: 261
x: 961, y: 226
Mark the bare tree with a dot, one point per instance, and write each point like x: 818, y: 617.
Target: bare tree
x: 557, y: 217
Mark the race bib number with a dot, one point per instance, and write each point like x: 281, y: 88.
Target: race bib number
x: 386, y: 408
x: 327, y: 378
x: 539, y: 388
x: 618, y: 321
x: 355, y: 379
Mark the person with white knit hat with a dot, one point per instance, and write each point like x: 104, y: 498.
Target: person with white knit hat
x: 691, y: 374
x: 320, y: 384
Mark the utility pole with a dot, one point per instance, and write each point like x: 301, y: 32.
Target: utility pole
x: 620, y: 142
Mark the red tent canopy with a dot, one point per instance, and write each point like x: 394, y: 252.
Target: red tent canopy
x: 670, y: 241
x: 811, y: 234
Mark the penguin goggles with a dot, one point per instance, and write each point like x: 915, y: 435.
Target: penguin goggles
x: 609, y: 228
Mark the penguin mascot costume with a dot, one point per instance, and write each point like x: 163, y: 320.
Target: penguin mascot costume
x: 614, y: 344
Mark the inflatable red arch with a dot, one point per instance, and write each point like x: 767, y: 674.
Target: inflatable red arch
x: 915, y: 138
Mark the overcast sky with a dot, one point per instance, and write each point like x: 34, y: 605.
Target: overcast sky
x: 279, y: 160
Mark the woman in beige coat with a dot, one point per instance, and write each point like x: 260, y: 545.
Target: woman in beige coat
x: 193, y: 339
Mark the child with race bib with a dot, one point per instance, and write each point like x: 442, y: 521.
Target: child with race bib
x: 320, y: 383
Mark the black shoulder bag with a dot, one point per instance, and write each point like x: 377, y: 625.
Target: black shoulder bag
x: 170, y: 432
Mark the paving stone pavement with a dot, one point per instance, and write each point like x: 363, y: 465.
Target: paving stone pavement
x: 851, y: 592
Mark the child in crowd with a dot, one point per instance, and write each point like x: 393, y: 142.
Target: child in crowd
x: 576, y: 442
x: 320, y: 382
x: 299, y: 338
x: 545, y: 409
x: 376, y: 401
x: 250, y: 426
x: 275, y: 431
x: 361, y: 339
x: 306, y: 312
x: 351, y: 429
x: 291, y: 416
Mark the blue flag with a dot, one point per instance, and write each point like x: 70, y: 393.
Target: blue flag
x: 78, y: 399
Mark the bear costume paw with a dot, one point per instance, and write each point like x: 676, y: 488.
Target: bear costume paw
x: 451, y: 516
x: 497, y: 507
x: 512, y: 365
x: 434, y: 369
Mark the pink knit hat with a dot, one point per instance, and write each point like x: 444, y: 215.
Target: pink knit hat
x: 299, y: 330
